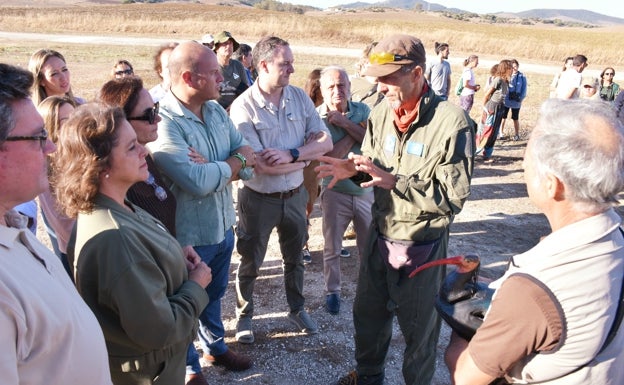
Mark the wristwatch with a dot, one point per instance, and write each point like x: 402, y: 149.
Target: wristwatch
x: 295, y: 154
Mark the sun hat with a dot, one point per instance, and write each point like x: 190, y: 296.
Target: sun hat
x: 589, y: 81
x: 223, y: 37
x: 393, y: 52
x: 207, y: 39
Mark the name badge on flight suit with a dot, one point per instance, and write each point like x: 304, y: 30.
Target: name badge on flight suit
x: 416, y: 148
x: 390, y: 144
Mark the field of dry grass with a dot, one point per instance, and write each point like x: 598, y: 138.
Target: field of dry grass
x: 90, y: 64
x: 349, y: 29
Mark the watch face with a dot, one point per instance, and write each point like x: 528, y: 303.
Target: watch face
x: 295, y: 154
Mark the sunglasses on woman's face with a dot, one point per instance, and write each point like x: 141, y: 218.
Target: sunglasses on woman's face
x: 127, y: 72
x: 149, y: 115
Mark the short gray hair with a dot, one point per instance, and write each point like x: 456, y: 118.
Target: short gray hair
x: 332, y: 68
x: 581, y: 142
x: 265, y: 48
x: 15, y: 84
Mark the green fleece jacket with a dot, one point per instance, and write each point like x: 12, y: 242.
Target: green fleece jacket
x: 131, y: 273
x: 433, y: 163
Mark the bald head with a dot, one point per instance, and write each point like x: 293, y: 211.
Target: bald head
x: 186, y: 57
x: 195, y: 73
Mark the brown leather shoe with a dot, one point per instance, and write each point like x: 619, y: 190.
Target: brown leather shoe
x: 235, y: 362
x: 196, y: 379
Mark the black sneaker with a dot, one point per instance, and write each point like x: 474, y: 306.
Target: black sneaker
x: 303, y: 322
x: 332, y: 303
x: 353, y: 379
x: 307, y: 258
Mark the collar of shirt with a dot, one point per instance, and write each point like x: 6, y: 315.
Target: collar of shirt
x: 175, y: 108
x: 262, y: 102
x: 9, y: 237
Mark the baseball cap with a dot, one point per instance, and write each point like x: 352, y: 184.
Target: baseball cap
x: 223, y: 37
x: 393, y: 52
x: 207, y: 39
x: 589, y: 81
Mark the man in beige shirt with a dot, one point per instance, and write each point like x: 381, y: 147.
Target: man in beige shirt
x: 48, y: 335
x: 280, y: 123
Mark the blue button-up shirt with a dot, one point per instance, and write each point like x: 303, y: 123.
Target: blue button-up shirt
x: 205, y: 209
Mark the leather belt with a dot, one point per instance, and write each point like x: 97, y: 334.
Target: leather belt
x: 279, y: 195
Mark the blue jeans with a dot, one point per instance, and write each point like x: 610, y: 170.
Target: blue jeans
x: 211, y: 330
x: 488, y: 150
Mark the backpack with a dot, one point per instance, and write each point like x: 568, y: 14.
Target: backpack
x: 460, y: 86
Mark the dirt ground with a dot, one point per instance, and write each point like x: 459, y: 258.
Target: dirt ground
x: 496, y: 222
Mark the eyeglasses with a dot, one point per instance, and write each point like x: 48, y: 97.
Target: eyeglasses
x: 609, y: 74
x: 124, y: 72
x: 43, y: 138
x: 149, y: 114
x: 379, y: 58
x: 160, y: 192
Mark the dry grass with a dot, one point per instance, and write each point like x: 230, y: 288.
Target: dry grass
x: 90, y: 64
x: 349, y: 29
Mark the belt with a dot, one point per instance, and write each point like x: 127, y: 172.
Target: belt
x: 279, y: 195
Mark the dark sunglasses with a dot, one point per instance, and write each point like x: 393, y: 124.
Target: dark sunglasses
x: 43, y: 138
x: 609, y: 73
x: 150, y: 114
x: 124, y: 72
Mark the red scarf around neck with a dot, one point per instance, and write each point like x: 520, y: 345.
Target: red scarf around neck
x: 403, y: 118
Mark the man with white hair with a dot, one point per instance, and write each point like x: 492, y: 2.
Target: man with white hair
x: 554, y: 316
x: 346, y: 201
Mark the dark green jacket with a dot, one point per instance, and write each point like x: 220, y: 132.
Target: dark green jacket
x: 433, y: 162
x: 131, y: 273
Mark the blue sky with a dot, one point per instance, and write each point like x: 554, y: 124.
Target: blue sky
x: 606, y: 7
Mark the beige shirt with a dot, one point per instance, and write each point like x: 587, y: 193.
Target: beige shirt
x: 284, y: 126
x: 580, y: 267
x: 48, y: 335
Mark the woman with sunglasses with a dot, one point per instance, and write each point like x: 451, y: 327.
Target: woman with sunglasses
x: 52, y: 77
x: 121, y: 69
x: 152, y: 194
x: 608, y: 89
x: 145, y: 292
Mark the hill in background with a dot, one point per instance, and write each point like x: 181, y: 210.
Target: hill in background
x: 557, y: 17
x: 561, y: 17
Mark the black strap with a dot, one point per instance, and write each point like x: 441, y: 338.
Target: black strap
x: 618, y: 316
x: 369, y: 93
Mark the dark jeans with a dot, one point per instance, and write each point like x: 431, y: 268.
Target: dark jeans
x: 258, y: 215
x: 211, y: 330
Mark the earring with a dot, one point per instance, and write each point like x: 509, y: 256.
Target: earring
x: 106, y: 176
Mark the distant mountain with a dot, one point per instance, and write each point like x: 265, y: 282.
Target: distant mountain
x: 575, y: 16
x: 571, y: 14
